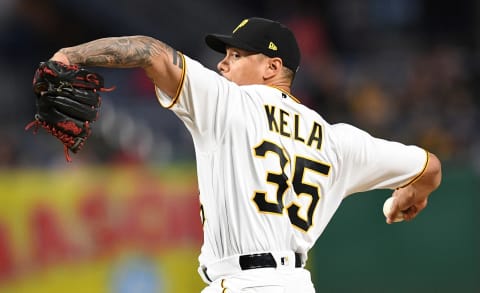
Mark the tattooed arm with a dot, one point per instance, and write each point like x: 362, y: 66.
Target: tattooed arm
x: 161, y: 63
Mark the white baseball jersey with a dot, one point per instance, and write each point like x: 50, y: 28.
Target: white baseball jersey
x: 272, y: 172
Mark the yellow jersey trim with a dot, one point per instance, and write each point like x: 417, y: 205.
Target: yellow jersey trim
x: 287, y: 93
x: 179, y: 88
x: 419, y: 174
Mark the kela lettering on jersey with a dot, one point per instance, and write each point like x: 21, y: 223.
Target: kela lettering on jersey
x: 279, y: 121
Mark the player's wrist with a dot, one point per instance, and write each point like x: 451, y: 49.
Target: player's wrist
x: 60, y: 57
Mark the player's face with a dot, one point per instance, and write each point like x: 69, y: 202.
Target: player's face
x: 243, y: 67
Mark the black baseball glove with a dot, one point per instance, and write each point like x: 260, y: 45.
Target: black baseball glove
x: 67, y: 102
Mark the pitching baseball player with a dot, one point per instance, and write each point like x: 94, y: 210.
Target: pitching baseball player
x: 271, y: 171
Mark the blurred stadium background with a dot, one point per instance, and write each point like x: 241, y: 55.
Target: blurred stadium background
x: 123, y: 217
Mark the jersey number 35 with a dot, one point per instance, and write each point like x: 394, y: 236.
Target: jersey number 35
x: 300, y: 188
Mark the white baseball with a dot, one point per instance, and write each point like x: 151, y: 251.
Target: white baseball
x: 386, y: 209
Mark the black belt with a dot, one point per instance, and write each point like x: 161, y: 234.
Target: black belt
x: 260, y: 260
x: 265, y: 260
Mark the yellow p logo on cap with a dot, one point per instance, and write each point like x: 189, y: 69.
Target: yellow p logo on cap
x: 243, y: 23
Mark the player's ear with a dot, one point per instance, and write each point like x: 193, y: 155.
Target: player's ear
x: 274, y: 67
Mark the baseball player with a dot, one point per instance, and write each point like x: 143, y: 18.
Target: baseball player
x: 271, y: 171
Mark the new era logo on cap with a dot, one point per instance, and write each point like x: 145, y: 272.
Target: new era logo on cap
x: 260, y: 35
x: 272, y: 46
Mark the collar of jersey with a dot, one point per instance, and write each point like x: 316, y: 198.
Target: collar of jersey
x: 287, y: 93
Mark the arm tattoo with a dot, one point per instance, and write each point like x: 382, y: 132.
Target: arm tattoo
x: 120, y: 52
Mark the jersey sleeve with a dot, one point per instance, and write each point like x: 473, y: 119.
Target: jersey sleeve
x: 201, y: 102
x: 368, y: 163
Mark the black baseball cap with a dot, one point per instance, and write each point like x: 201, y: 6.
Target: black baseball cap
x: 260, y: 35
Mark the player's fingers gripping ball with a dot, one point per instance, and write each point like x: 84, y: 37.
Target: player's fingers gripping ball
x: 387, y: 206
x: 67, y: 102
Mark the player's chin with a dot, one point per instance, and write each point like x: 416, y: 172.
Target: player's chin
x: 225, y: 76
x: 238, y: 81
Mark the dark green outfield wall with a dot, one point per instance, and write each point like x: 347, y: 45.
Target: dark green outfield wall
x: 437, y: 252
